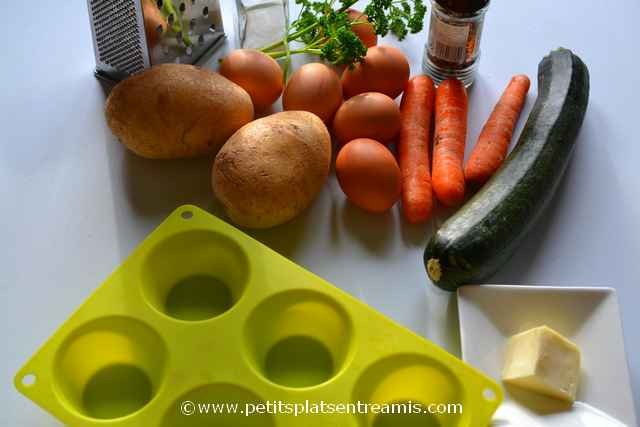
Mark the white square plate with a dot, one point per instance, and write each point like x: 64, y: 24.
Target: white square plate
x: 490, y: 314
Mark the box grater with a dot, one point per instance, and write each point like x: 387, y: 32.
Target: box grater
x: 130, y: 36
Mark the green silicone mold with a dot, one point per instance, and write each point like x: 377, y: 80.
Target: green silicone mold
x: 201, y: 312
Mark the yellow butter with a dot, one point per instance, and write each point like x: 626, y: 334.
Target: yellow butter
x: 543, y: 361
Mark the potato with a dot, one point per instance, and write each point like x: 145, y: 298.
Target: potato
x: 272, y: 169
x: 175, y: 111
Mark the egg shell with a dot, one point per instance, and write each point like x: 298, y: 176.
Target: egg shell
x: 368, y: 115
x: 315, y: 88
x: 364, y: 30
x: 257, y: 73
x: 385, y: 69
x: 368, y: 174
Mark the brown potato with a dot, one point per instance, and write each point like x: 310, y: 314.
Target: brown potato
x: 175, y: 111
x: 272, y: 169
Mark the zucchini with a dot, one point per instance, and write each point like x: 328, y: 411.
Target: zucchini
x: 473, y: 244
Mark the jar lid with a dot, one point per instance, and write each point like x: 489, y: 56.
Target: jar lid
x: 463, y: 6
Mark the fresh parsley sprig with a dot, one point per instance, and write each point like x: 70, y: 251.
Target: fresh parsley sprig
x: 324, y: 29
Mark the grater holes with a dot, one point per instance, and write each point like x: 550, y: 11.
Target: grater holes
x: 118, y: 41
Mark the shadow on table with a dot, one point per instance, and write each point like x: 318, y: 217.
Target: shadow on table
x: 373, y: 231
x: 157, y: 187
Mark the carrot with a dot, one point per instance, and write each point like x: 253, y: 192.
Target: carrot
x: 449, y: 141
x: 416, y: 109
x: 493, y: 142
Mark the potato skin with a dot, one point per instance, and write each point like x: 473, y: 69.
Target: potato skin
x: 272, y: 169
x: 176, y: 111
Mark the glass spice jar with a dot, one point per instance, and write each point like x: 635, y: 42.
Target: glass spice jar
x: 261, y: 22
x: 453, y: 45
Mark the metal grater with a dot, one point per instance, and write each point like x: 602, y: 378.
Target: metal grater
x: 130, y: 36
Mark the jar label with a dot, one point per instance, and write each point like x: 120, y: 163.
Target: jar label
x: 448, y: 42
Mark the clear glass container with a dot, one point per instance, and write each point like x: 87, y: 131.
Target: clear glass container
x: 453, y: 44
x: 261, y: 22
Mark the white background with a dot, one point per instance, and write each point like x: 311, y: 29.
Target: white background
x: 75, y: 203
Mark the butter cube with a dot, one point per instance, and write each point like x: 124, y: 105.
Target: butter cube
x: 543, y: 361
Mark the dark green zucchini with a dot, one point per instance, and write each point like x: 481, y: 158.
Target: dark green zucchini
x: 476, y: 241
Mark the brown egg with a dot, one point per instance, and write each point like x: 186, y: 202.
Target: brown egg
x: 363, y: 29
x: 368, y: 115
x: 368, y: 174
x: 385, y: 69
x: 257, y: 73
x: 315, y: 88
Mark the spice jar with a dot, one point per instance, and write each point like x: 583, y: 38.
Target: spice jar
x: 261, y: 22
x: 453, y: 45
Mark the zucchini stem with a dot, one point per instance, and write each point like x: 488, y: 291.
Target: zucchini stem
x: 434, y: 270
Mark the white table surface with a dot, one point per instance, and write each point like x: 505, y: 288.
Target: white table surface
x: 75, y: 203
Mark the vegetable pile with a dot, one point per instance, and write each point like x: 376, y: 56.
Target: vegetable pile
x: 340, y: 35
x: 487, y: 230
x: 268, y: 171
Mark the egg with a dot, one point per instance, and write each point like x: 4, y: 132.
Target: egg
x: 368, y: 115
x: 363, y: 28
x: 315, y: 88
x: 385, y: 69
x: 257, y: 73
x: 368, y: 174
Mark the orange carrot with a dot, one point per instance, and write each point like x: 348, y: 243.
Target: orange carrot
x: 416, y: 110
x: 493, y: 142
x: 449, y: 140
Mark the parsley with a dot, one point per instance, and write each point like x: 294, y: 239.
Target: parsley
x: 323, y: 28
